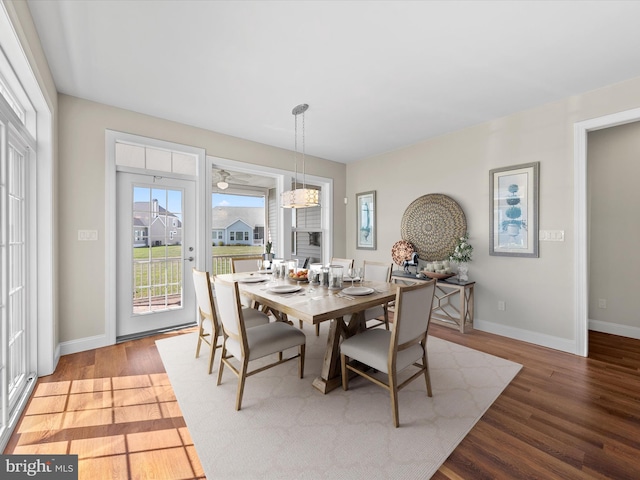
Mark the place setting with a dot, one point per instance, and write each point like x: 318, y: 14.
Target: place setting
x: 253, y: 279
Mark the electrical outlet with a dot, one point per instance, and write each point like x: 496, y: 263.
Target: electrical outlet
x: 602, y: 303
x: 501, y: 305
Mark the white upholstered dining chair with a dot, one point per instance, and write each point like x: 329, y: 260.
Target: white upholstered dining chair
x: 209, y: 328
x: 242, y: 265
x: 377, y: 272
x: 391, y: 352
x: 247, y: 344
x: 345, y: 263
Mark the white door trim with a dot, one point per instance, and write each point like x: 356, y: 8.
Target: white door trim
x: 581, y: 254
x: 283, y: 181
x: 111, y: 136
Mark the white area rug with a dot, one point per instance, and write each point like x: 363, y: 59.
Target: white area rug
x: 288, y: 430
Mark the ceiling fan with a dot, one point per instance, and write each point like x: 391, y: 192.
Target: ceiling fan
x: 222, y: 179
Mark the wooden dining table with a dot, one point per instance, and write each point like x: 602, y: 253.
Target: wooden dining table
x: 312, y: 305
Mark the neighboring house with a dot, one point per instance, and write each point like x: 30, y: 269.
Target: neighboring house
x: 238, y: 225
x: 140, y: 233
x: 155, y: 226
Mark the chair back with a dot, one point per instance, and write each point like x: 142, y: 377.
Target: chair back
x: 345, y: 263
x: 244, y: 264
x: 229, y: 307
x: 204, y: 296
x: 377, y: 271
x: 413, y: 313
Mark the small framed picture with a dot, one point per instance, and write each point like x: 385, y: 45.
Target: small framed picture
x: 366, y: 220
x: 514, y: 210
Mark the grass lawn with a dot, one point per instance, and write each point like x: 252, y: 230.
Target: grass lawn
x: 158, y: 278
x: 174, y: 251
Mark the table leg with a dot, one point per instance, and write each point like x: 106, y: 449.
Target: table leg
x: 331, y: 375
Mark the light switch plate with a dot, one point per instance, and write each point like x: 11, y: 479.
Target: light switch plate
x: 87, y: 235
x: 551, y: 236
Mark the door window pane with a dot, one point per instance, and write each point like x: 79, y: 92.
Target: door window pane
x: 158, y: 252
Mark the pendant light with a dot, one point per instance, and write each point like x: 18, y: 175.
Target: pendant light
x: 299, y: 197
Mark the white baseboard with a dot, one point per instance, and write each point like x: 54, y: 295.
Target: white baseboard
x: 615, y: 329
x: 82, y: 344
x: 562, y: 344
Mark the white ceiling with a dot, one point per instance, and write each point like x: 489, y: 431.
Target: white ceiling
x: 377, y: 75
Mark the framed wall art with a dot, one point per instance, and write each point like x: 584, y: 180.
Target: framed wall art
x: 513, y: 223
x: 366, y: 220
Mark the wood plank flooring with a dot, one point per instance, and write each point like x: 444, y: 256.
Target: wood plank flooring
x: 563, y: 416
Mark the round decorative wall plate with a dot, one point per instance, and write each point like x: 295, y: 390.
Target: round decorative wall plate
x: 401, y: 251
x: 433, y: 223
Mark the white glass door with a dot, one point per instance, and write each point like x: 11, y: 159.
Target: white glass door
x: 155, y: 253
x: 15, y: 367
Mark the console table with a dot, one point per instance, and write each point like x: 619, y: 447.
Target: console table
x: 446, y: 311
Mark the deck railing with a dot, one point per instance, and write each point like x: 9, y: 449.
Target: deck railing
x: 221, y: 264
x: 157, y: 282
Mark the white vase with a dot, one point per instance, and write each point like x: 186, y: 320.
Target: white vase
x: 463, y: 272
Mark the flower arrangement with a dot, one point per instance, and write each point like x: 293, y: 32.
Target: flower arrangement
x: 463, y: 250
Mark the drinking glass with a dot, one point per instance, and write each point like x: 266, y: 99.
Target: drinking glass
x: 360, y: 274
x: 352, y: 273
x: 259, y: 262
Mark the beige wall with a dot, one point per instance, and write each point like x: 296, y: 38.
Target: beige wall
x: 613, y: 170
x: 539, y: 292
x: 82, y: 196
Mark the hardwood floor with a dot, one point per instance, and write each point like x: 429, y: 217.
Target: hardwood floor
x: 563, y: 416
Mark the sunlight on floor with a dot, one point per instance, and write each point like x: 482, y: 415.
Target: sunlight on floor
x: 87, y: 417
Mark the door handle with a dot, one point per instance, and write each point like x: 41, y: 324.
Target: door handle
x: 190, y: 259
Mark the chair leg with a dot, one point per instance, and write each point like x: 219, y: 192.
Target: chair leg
x: 345, y: 373
x: 221, y: 367
x: 301, y: 350
x: 201, y: 335
x: 241, y: 378
x: 393, y: 390
x: 427, y: 377
x: 212, y: 354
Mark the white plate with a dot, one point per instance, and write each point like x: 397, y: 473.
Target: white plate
x: 262, y: 272
x: 255, y: 279
x: 358, y: 291
x: 285, y: 289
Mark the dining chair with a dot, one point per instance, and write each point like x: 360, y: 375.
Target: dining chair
x: 208, y: 324
x: 377, y: 272
x: 391, y: 352
x: 247, y: 344
x: 245, y: 264
x: 345, y: 263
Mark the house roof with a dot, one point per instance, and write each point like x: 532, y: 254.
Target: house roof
x: 222, y: 217
x: 141, y: 212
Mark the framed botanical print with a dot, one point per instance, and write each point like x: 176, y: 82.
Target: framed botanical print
x: 514, y: 210
x: 366, y: 220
